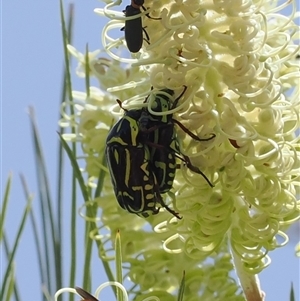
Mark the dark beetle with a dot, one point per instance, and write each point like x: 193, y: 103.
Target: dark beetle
x: 134, y: 28
x: 128, y: 161
x: 141, y: 151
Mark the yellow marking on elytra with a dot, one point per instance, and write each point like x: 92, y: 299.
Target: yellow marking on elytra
x: 171, y: 165
x: 142, y: 205
x: 125, y: 194
x: 160, y: 164
x: 134, y: 132
x: 144, y: 168
x: 127, y: 168
x: 116, y: 155
x: 117, y: 140
x: 148, y: 187
x: 149, y: 196
x: 151, y: 204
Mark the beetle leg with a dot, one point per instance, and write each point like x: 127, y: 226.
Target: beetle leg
x: 120, y: 105
x: 147, y: 36
x: 162, y: 203
x: 160, y: 200
x: 147, y: 15
x: 195, y: 169
x: 190, y: 133
x: 155, y: 127
x: 146, y: 214
x: 185, y: 159
x: 176, y: 100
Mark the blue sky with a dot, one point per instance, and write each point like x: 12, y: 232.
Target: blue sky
x: 32, y: 64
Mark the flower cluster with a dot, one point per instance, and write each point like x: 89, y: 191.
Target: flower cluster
x: 238, y: 60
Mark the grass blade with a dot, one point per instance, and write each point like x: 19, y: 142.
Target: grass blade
x: 76, y: 169
x: 12, y: 278
x: 292, y: 294
x: 11, y: 283
x: 37, y: 241
x: 4, y: 205
x: 61, y: 131
x: 60, y: 164
x: 119, y: 273
x: 6, y: 279
x: 181, y: 288
x: 85, y: 194
x: 66, y: 34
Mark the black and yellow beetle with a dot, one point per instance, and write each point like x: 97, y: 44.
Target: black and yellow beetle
x: 141, y: 152
x: 128, y: 160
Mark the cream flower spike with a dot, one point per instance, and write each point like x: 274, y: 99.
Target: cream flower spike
x: 237, y: 59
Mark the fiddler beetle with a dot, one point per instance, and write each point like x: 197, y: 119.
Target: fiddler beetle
x: 162, y: 137
x: 134, y: 28
x: 128, y: 159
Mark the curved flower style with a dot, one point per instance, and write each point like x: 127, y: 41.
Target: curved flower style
x: 88, y: 296
x: 237, y: 59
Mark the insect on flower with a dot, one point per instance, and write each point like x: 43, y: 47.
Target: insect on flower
x: 141, y: 152
x: 133, y: 28
x: 128, y: 159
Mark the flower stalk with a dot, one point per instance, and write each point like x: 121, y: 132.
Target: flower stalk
x: 249, y: 282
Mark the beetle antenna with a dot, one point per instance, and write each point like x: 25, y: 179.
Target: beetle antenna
x: 120, y: 105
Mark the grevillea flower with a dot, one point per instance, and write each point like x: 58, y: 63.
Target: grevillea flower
x: 237, y: 59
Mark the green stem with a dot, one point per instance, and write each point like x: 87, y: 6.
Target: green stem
x: 14, y: 249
